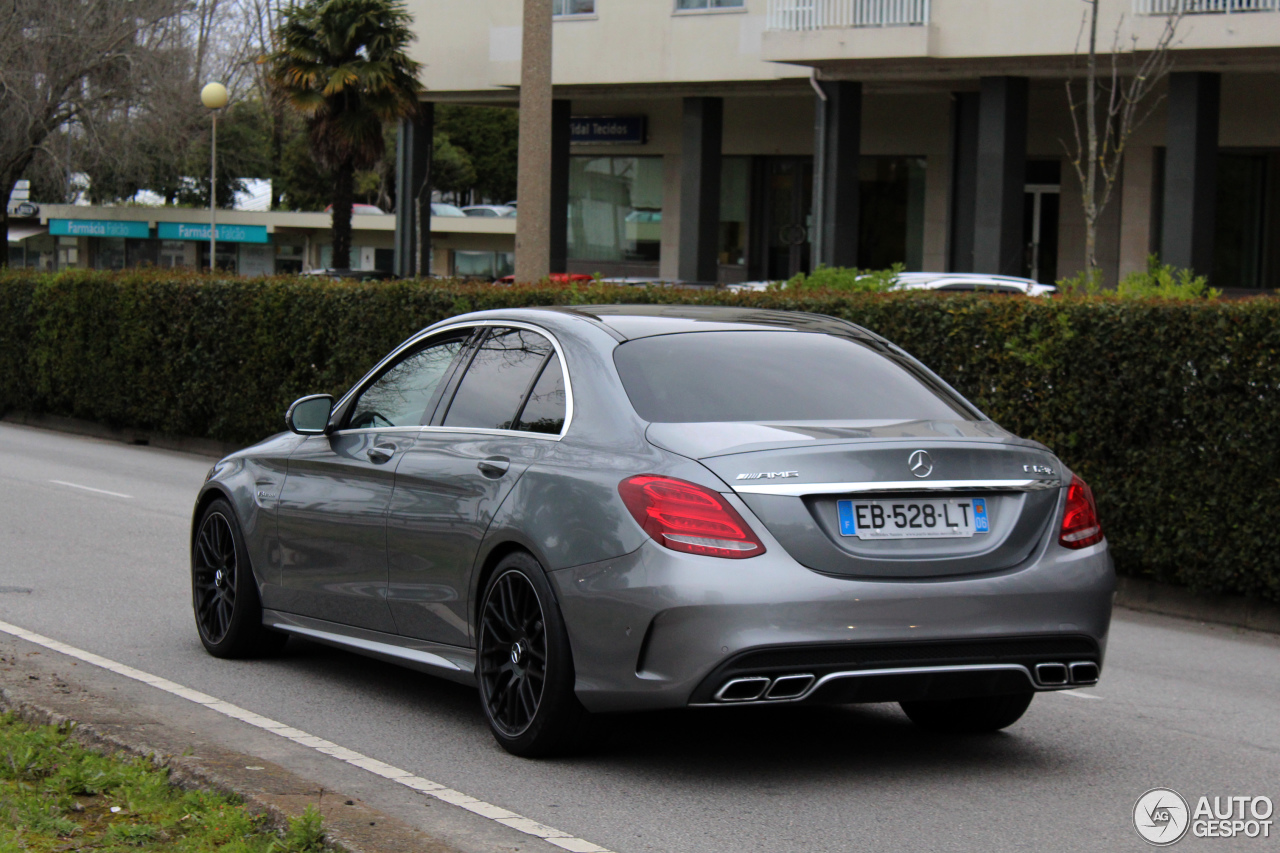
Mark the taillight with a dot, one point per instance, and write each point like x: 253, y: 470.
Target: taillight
x: 1080, y: 527
x: 687, y: 517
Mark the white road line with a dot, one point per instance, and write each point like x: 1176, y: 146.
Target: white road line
x: 1077, y: 694
x: 92, y: 489
x: 563, y: 840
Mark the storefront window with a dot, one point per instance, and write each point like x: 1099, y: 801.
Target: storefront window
x: 735, y: 201
x: 173, y: 253
x: 489, y: 266
x: 107, y: 253
x: 288, y: 258
x: 615, y: 208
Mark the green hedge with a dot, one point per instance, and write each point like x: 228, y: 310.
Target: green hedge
x: 1168, y: 409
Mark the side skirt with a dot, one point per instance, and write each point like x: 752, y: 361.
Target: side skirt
x: 451, y: 662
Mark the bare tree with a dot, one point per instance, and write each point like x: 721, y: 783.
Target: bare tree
x: 1114, y: 107
x: 261, y: 18
x: 61, y: 61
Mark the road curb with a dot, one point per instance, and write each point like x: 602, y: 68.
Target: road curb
x: 268, y: 789
x: 126, y: 435
x: 1235, y: 610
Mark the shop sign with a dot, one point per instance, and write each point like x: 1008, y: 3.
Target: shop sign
x: 98, y: 228
x: 616, y: 130
x: 226, y: 233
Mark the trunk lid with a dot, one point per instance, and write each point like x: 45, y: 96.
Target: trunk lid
x: 793, y: 477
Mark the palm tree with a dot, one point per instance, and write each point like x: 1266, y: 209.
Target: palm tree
x: 342, y: 64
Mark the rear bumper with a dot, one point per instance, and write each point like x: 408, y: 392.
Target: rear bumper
x: 661, y: 629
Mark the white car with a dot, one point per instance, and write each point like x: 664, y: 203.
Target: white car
x: 951, y: 282
x: 489, y: 210
x: 970, y: 282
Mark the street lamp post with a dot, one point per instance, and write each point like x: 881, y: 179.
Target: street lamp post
x: 213, y: 96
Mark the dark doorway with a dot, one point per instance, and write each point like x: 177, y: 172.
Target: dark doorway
x: 1040, y: 217
x: 1237, y: 243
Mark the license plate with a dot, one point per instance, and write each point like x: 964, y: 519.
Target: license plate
x: 914, y: 519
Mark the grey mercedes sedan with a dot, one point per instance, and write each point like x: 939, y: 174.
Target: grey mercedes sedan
x: 615, y: 508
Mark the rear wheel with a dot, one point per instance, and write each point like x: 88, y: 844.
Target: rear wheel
x: 524, y: 663
x: 968, y: 716
x: 224, y: 592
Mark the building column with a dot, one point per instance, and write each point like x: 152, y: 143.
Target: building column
x: 702, y: 136
x: 1191, y: 170
x: 1001, y: 176
x: 838, y: 150
x: 413, y: 193
x: 561, y: 133
x: 533, y: 181
x: 964, y: 181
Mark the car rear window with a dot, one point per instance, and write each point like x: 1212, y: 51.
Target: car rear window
x: 702, y: 377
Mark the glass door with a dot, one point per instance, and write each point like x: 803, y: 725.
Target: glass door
x: 788, y: 216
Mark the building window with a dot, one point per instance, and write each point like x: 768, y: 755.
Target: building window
x: 735, y: 202
x: 691, y: 5
x: 560, y: 8
x: 489, y: 266
x: 891, y: 212
x: 615, y: 208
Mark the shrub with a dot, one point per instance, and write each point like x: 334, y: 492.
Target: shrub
x: 1158, y: 281
x: 1169, y: 408
x: 845, y: 280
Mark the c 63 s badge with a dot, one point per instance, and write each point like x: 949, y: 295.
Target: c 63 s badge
x: 770, y: 475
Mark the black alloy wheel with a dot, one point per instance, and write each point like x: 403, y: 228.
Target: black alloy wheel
x: 224, y: 590
x: 514, y: 662
x: 524, y: 664
x: 214, y: 572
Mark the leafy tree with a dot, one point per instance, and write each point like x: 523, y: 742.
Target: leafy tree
x: 451, y: 168
x: 342, y: 64
x: 490, y: 138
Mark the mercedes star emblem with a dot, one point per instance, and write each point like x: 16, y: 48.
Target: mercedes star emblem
x: 920, y: 464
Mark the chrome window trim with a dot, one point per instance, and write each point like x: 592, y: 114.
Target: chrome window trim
x: 431, y: 333
x: 802, y: 489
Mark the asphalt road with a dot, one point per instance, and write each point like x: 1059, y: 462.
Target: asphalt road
x: 1195, y: 708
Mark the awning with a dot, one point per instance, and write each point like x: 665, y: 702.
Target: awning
x: 18, y: 233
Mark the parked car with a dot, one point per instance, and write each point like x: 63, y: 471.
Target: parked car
x: 948, y: 282
x: 442, y: 209
x: 489, y: 210
x: 357, y: 275
x: 973, y: 282
x: 584, y: 510
x: 362, y: 210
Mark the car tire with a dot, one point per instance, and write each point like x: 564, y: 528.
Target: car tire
x: 524, y: 665
x: 968, y: 716
x: 224, y: 590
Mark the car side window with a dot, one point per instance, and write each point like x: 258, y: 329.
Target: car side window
x: 505, y: 365
x: 544, y: 411
x: 400, y: 396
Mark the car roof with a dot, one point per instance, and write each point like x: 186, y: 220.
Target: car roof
x: 966, y: 277
x: 643, y: 321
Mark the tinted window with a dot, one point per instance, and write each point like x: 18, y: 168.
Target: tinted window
x: 401, y: 395
x: 546, y: 407
x: 773, y: 376
x: 504, y: 367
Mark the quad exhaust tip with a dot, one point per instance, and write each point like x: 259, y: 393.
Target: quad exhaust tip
x: 761, y: 687
x: 1062, y: 674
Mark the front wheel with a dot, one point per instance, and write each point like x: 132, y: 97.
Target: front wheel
x: 968, y: 716
x: 224, y: 592
x: 524, y: 663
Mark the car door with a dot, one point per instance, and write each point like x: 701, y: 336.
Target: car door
x: 509, y: 403
x: 333, y: 506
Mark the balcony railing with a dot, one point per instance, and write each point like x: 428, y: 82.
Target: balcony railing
x: 1203, y: 7
x: 800, y: 15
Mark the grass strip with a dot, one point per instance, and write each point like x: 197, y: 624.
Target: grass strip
x: 56, y: 796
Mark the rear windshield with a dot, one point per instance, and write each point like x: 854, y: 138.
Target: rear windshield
x: 701, y: 377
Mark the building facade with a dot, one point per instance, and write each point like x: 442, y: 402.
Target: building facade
x: 251, y: 243
x: 741, y: 140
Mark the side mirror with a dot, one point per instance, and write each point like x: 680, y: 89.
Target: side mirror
x: 310, y: 415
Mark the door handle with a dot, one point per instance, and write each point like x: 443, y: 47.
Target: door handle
x: 494, y: 467
x: 381, y: 453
